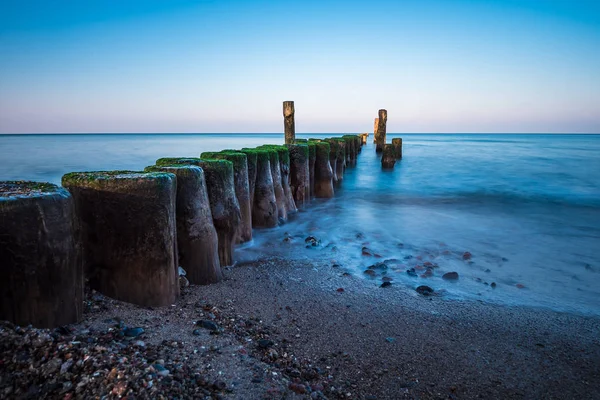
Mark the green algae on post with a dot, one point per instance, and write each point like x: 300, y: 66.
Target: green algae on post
x: 197, y: 241
x: 333, y: 154
x: 41, y: 278
x: 277, y: 187
x: 311, y: 165
x: 127, y: 229
x: 284, y: 166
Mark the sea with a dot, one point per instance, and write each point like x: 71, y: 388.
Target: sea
x: 517, y: 216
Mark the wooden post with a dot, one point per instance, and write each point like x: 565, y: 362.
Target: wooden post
x: 341, y: 159
x: 397, y: 142
x: 288, y: 122
x: 323, y: 172
x: 128, y: 234
x: 364, y: 137
x: 224, y: 206
x: 375, y: 125
x: 388, y: 158
x: 381, y: 131
x: 197, y: 240
x: 299, y: 174
x: 333, y: 153
x: 282, y: 210
x: 242, y: 188
x: 264, y: 208
x: 41, y: 275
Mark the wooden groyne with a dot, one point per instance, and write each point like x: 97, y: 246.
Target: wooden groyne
x: 128, y: 232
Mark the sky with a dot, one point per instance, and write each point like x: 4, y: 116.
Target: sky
x: 182, y: 66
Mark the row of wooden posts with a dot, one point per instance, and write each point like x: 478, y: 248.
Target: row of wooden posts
x: 128, y: 233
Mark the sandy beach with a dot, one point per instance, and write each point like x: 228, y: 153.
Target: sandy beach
x: 280, y: 329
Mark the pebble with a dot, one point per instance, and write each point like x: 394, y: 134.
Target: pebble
x: 450, y: 276
x: 312, y: 241
x: 265, y: 343
x: 133, y: 332
x: 206, y: 324
x: 467, y: 256
x: 370, y: 272
x: 424, y: 290
x: 493, y: 285
x: 386, y: 284
x: 411, y: 272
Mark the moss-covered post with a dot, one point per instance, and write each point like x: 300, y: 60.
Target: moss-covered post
x: 381, y: 131
x: 288, y: 122
x: 282, y: 211
x: 333, y: 153
x: 127, y: 230
x: 397, y: 143
x: 264, y: 209
x: 299, y: 173
x: 242, y: 187
x: 197, y: 241
x: 357, y: 144
x: 388, y: 158
x: 350, y: 149
x: 251, y: 156
x: 323, y: 173
x: 341, y: 159
x: 224, y: 206
x: 41, y: 275
x: 284, y: 165
x: 312, y: 158
x: 375, y: 125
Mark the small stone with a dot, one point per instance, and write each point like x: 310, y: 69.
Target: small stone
x: 196, y: 332
x: 424, y: 290
x: 467, y: 256
x: 493, y: 285
x: 297, y: 388
x: 411, y: 272
x: 386, y: 279
x: 379, y: 266
x: 450, y: 276
x: 133, y: 332
x: 219, y: 385
x: 390, y: 339
x: 370, y: 272
x: 366, y: 251
x: 386, y: 284
x: 312, y: 241
x: 520, y: 286
x: 206, y: 324
x: 265, y: 343
x: 340, y: 290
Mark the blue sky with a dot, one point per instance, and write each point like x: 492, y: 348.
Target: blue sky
x: 226, y: 66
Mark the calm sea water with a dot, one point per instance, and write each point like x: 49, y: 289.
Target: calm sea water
x: 527, y: 207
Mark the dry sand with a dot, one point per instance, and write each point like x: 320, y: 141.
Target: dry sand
x: 287, y: 330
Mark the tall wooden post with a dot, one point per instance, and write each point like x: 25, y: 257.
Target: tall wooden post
x: 375, y: 125
x: 288, y: 122
x: 381, y: 128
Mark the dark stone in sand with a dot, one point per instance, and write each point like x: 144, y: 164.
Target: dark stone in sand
x: 219, y: 385
x: 466, y: 255
x: 265, y: 343
x: 370, y: 272
x: 386, y: 284
x: 493, y: 285
x: 196, y: 332
x: 450, y: 276
x: 411, y: 272
x: 210, y: 325
x: 379, y: 265
x: 133, y: 332
x: 41, y: 274
x: 424, y: 290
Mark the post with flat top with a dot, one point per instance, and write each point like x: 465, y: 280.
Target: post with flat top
x: 375, y: 130
x: 288, y: 122
x: 381, y: 130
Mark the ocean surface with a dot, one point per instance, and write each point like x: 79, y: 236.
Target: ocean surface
x: 526, y: 207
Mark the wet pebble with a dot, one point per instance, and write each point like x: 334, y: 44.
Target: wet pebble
x: 386, y: 284
x: 450, y: 276
x: 133, y: 332
x: 210, y: 325
x: 424, y: 290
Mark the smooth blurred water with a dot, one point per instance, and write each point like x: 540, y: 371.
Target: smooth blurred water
x: 526, y: 206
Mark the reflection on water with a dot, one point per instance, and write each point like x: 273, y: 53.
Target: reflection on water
x: 527, y: 208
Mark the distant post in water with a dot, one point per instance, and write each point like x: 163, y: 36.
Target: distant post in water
x: 397, y: 143
x: 375, y: 125
x: 381, y: 128
x: 388, y: 158
x: 288, y: 122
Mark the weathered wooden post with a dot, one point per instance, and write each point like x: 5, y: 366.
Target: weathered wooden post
x: 282, y: 211
x: 127, y: 230
x: 41, y: 275
x: 311, y: 162
x: 288, y: 122
x: 350, y: 149
x: 333, y: 154
x: 197, y: 241
x: 381, y: 130
x: 242, y: 187
x: 358, y: 144
x: 341, y: 159
x: 363, y: 138
x: 375, y: 125
x: 284, y: 165
x: 264, y: 209
x: 224, y: 206
x: 397, y: 142
x: 251, y: 157
x: 299, y: 173
x: 323, y: 173
x: 388, y: 158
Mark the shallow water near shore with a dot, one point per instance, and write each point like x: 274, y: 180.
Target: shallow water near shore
x: 526, y: 208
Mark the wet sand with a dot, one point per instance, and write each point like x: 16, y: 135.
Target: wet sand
x: 288, y: 330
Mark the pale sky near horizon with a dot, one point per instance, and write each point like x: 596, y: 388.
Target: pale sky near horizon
x: 226, y: 66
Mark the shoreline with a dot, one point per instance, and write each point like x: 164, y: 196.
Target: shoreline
x: 284, y: 329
